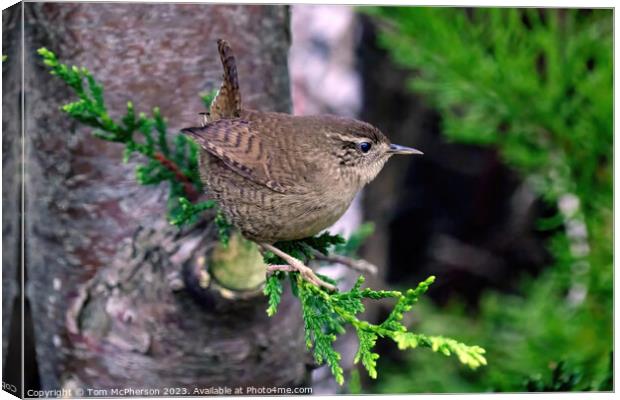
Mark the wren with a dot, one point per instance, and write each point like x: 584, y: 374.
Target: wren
x: 282, y: 177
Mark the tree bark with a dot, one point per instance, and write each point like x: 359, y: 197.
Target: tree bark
x: 115, y: 290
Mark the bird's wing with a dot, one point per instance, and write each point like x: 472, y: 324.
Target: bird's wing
x: 244, y: 151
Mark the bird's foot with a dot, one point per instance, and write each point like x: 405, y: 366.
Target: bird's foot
x: 295, y: 265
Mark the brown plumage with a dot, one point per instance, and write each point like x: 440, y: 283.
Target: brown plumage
x: 283, y: 177
x: 227, y: 103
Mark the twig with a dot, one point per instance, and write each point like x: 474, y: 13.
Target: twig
x: 357, y: 265
x: 285, y: 268
x: 296, y: 265
x: 188, y: 186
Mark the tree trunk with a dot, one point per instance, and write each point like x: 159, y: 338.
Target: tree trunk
x: 115, y: 289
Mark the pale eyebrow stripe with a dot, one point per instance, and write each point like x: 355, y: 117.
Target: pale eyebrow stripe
x: 349, y: 138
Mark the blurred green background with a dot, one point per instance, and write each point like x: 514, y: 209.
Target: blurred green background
x: 536, y: 86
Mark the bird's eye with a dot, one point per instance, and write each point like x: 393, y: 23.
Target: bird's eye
x: 364, y: 147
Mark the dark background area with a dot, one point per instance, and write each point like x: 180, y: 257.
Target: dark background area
x: 458, y: 212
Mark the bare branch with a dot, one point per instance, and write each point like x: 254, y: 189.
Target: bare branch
x: 306, y: 272
x: 357, y: 265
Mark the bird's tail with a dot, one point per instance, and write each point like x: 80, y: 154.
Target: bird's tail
x: 227, y: 102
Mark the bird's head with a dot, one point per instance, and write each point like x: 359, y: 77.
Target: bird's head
x: 360, y: 149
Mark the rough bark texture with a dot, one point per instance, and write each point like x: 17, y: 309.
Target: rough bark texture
x: 114, y: 288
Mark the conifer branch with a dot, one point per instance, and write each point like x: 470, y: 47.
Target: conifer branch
x: 175, y: 163
x: 326, y: 314
x: 188, y: 186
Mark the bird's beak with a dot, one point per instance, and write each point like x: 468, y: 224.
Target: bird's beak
x: 397, y: 149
